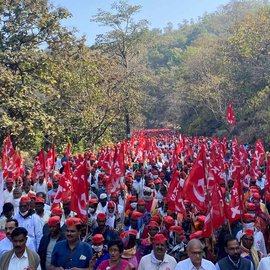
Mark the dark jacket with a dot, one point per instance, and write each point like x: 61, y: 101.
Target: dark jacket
x: 42, y: 250
x: 226, y: 264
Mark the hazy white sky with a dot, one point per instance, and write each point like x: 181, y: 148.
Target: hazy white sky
x: 157, y: 12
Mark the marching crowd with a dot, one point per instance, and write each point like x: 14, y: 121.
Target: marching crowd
x: 137, y: 226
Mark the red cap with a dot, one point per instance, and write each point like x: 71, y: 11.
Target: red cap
x: 57, y: 176
x: 248, y: 232
x: 25, y: 199
x: 32, y: 195
x: 197, y: 235
x: 138, y: 173
x: 248, y: 217
x: 93, y: 201
x: 168, y: 220
x: 49, y: 184
x: 101, y: 175
x: 10, y: 180
x: 141, y: 201
x: 56, y: 211
x: 153, y: 224
x: 159, y: 238
x: 53, y: 221
x: 256, y: 196
x: 201, y: 219
x: 111, y: 204
x: 128, y: 179
x: 157, y: 219
x: 136, y: 215
x: 102, y: 216
x: 129, y: 232
x: 73, y: 222
x: 97, y: 239
x: 177, y: 229
x: 251, y: 207
x: 40, y: 200
x: 52, y: 196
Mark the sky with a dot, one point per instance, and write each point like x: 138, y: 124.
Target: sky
x: 157, y: 12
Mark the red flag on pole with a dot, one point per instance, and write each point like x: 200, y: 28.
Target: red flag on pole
x: 175, y: 194
x: 79, y: 196
x: 7, y: 153
x: 39, y: 166
x: 195, y: 184
x: 65, y: 186
x: 216, y: 215
x: 230, y: 115
x: 14, y: 167
x: 117, y: 172
x: 50, y: 161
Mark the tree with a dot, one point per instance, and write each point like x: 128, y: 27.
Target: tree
x: 26, y: 27
x: 123, y: 43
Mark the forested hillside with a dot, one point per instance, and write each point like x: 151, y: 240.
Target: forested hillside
x: 54, y: 88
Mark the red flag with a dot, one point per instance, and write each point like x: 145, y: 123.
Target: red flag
x: 175, y: 194
x: 195, y: 184
x: 65, y: 186
x: 107, y: 161
x: 79, y: 196
x: 50, y: 161
x: 39, y: 166
x: 216, y: 213
x: 235, y: 206
x: 14, y: 167
x: 7, y: 152
x: 117, y: 172
x: 230, y: 115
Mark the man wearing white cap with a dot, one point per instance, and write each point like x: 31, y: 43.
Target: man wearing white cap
x: 103, y: 203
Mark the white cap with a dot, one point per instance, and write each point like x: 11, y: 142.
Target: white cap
x: 103, y: 196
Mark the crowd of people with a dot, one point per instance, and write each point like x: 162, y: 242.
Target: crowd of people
x: 135, y: 227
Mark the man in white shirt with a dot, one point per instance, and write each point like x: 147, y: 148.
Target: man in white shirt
x: 195, y: 260
x: 20, y: 257
x: 158, y: 259
x: 41, y: 185
x: 264, y: 264
x: 8, y: 192
x: 29, y: 221
x: 6, y: 243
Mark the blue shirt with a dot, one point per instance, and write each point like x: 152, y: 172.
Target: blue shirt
x: 80, y: 258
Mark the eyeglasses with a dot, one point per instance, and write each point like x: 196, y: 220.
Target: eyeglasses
x: 199, y: 253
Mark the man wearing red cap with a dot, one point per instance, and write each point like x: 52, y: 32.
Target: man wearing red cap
x: 249, y: 223
x: 247, y: 249
x: 29, y: 221
x: 158, y: 259
x: 49, y: 240
x: 146, y: 244
x: 177, y: 246
x: 100, y: 253
x: 106, y: 231
x: 40, y: 211
x: 55, y: 185
x: 71, y: 253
